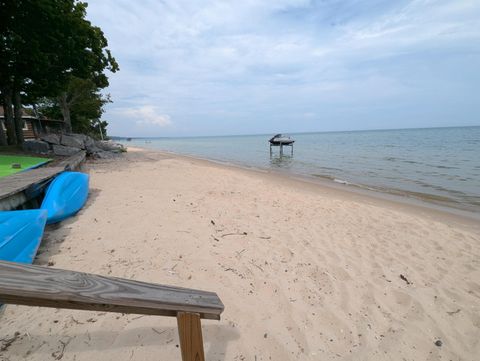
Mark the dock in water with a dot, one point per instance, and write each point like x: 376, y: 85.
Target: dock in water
x: 281, y: 141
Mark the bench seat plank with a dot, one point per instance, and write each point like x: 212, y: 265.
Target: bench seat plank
x: 49, y: 287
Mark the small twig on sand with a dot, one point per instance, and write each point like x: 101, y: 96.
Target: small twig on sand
x: 267, y: 237
x: 57, y: 355
x: 451, y: 313
x: 405, y: 279
x: 136, y: 318
x: 240, y: 253
x: 256, y: 265
x: 7, y: 342
x: 234, y: 234
x: 76, y: 321
x: 158, y: 332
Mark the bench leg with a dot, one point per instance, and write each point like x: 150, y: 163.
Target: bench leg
x: 190, y: 333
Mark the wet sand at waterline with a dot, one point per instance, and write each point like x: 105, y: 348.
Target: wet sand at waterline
x: 306, y: 272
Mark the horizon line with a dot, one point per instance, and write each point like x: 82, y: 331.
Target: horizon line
x: 302, y: 132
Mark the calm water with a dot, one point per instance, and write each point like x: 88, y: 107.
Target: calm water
x: 441, y: 165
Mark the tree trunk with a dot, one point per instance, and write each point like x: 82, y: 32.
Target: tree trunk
x: 65, y: 109
x: 8, y: 116
x: 3, y: 136
x: 17, y: 109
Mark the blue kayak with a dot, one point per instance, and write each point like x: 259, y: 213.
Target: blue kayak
x: 65, y: 196
x: 20, y: 234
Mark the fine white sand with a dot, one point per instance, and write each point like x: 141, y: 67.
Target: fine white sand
x: 306, y: 272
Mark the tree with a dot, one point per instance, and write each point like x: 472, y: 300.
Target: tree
x: 80, y: 103
x: 7, y: 56
x: 83, y: 103
x: 88, y: 70
x: 43, y: 44
x: 3, y: 136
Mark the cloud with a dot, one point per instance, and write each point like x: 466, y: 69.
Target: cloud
x: 146, y: 115
x: 213, y: 66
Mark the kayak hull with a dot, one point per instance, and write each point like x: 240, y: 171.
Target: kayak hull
x: 20, y: 234
x: 65, y: 196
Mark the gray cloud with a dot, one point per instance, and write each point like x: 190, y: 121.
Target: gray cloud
x: 239, y: 63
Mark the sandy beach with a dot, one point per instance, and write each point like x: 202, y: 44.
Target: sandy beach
x: 306, y: 272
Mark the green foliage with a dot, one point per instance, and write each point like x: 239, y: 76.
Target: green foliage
x: 85, y: 102
x: 46, y: 46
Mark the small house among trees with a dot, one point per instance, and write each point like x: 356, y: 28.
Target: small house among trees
x: 33, y: 125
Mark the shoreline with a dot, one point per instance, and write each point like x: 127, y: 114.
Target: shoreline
x: 346, y: 191
x: 422, y: 165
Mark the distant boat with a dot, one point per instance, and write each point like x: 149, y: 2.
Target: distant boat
x: 280, y: 139
x: 129, y: 139
x: 65, y: 196
x: 20, y: 234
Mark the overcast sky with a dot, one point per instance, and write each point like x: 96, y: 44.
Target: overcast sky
x: 264, y: 66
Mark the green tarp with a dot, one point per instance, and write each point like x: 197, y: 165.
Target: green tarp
x: 6, y: 162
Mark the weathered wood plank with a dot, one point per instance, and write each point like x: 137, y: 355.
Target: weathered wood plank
x: 190, y: 335
x: 74, y: 161
x: 21, y: 181
x: 48, y: 287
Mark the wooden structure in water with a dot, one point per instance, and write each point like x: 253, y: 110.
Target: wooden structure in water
x: 20, y: 188
x: 281, y: 141
x: 30, y: 285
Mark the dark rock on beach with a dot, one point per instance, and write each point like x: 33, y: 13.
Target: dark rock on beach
x: 73, y: 140
x: 51, y: 138
x: 62, y: 150
x: 36, y: 146
x: 70, y: 144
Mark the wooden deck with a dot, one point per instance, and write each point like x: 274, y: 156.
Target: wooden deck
x: 21, y: 181
x: 74, y: 161
x: 20, y: 188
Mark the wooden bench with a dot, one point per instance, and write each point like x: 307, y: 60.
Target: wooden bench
x: 48, y: 287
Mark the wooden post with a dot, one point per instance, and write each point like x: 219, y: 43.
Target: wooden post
x: 190, y: 334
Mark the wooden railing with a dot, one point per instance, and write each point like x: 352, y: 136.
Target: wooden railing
x: 48, y: 287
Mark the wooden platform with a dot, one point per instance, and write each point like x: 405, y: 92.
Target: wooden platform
x: 20, y: 188
x: 74, y: 161
x: 19, y: 182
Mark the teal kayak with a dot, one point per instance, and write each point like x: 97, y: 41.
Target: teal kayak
x: 65, y: 196
x: 20, y: 234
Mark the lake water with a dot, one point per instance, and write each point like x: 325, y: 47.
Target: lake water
x: 441, y: 165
